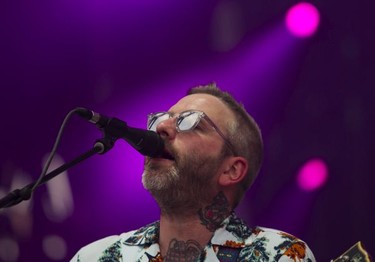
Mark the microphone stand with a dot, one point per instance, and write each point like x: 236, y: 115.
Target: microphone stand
x: 13, y: 198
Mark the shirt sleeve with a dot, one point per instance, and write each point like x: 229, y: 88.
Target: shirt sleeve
x: 285, y: 247
x: 297, y: 252
x: 95, y: 250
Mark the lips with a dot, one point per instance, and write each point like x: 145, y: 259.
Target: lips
x: 167, y: 155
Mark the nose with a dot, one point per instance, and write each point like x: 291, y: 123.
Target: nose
x: 167, y: 129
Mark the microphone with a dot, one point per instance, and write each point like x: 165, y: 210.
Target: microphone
x: 146, y: 142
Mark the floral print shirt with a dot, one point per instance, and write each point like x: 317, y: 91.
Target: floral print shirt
x: 233, y: 241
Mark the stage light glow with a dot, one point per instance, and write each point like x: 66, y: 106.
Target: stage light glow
x: 312, y: 175
x: 59, y: 205
x: 54, y: 247
x: 302, y: 19
x: 20, y: 215
x: 9, y: 249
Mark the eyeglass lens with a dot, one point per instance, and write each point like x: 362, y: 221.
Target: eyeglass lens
x: 155, y: 119
x: 185, y: 121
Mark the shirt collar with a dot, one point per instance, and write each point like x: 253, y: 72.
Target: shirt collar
x: 145, y: 236
x: 232, y: 233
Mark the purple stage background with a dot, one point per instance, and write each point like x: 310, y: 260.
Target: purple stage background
x: 313, y: 98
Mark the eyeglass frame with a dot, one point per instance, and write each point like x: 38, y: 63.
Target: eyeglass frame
x: 201, y: 115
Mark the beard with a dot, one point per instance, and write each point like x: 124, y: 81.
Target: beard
x: 185, y: 185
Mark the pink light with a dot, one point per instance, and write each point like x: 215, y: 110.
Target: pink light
x: 302, y: 19
x: 312, y: 175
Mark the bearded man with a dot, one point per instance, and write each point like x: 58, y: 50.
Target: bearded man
x: 213, y: 153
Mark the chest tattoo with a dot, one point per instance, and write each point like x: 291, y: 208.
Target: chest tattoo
x: 182, y: 251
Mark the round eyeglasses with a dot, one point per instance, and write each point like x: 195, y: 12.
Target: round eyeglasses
x: 185, y: 121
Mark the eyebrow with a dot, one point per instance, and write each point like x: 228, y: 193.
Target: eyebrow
x: 171, y: 113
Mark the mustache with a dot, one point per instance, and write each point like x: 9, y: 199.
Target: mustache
x: 170, y: 152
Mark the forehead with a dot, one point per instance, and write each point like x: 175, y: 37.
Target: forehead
x: 211, y: 105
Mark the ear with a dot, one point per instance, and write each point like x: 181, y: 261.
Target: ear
x: 234, y: 171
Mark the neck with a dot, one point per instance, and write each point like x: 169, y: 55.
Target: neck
x: 184, y: 235
x: 182, y: 239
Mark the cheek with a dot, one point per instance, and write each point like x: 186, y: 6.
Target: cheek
x: 201, y: 146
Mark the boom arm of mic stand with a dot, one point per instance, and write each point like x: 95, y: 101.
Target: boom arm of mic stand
x: 18, y: 195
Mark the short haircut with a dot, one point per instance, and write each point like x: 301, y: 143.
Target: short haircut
x: 243, y: 133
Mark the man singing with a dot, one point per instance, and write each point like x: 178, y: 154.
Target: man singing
x: 213, y: 153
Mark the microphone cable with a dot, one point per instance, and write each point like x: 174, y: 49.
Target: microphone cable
x: 54, y: 149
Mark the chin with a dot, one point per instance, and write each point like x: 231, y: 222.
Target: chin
x: 159, y: 176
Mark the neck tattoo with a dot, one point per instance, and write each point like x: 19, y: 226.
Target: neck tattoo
x: 182, y: 251
x: 213, y: 215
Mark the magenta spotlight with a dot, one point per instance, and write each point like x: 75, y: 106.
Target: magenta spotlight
x: 312, y: 175
x: 302, y: 19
